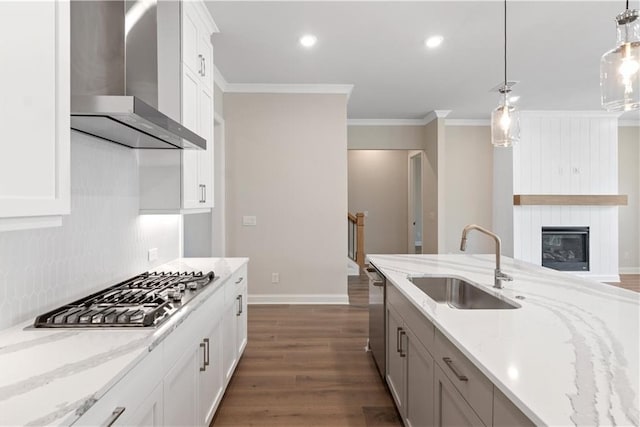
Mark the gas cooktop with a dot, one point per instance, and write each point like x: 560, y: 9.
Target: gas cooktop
x: 146, y: 300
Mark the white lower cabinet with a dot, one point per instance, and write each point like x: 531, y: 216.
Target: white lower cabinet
x: 182, y: 381
x: 181, y: 390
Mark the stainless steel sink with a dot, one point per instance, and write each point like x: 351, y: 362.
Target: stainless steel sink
x: 460, y: 294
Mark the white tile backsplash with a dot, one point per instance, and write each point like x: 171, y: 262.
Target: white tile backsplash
x: 103, y: 240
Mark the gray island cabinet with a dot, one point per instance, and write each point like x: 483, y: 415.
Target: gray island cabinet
x: 455, y: 364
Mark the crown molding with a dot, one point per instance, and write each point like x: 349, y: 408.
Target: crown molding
x: 385, y: 122
x: 467, y: 122
x: 219, y: 79
x: 289, y: 88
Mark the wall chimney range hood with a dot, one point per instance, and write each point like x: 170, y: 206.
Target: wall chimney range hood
x: 114, y: 77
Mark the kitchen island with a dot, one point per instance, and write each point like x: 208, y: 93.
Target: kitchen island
x: 569, y: 355
x: 59, y: 376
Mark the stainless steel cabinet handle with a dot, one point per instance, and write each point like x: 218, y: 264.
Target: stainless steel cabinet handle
x: 114, y: 416
x: 241, y: 304
x: 204, y: 193
x: 239, y: 280
x: 239, y: 299
x: 200, y: 70
x: 451, y: 366
x: 398, y: 349
x: 206, y: 354
x: 204, y: 66
x: 402, y: 353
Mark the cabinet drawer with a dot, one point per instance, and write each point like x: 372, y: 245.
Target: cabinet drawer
x: 128, y: 394
x: 417, y: 322
x: 476, y: 389
x: 235, y: 285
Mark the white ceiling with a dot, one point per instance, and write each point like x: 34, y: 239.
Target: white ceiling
x: 554, y: 52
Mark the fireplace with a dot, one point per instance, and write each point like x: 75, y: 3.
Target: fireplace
x: 565, y: 248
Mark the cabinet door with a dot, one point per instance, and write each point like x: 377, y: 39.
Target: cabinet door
x: 210, y: 380
x: 35, y: 124
x: 191, y: 193
x: 149, y: 413
x: 229, y: 349
x: 190, y: 38
x: 419, y: 377
x: 395, y: 360
x: 241, y: 317
x: 450, y: 407
x: 206, y: 50
x: 205, y: 157
x: 180, y: 391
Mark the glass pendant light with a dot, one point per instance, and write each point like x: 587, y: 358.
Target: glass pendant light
x: 620, y: 67
x: 505, y: 118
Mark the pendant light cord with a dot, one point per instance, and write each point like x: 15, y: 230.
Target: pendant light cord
x: 505, y: 44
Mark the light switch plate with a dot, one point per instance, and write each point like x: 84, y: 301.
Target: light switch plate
x: 249, y: 220
x: 153, y: 254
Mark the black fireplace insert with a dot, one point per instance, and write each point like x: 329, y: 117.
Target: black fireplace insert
x: 565, y: 248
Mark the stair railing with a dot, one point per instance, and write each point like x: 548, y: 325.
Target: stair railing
x: 355, y: 224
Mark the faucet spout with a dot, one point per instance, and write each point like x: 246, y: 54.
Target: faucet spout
x: 499, y: 276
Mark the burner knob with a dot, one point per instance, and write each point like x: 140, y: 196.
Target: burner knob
x: 175, y: 294
x: 192, y: 285
x: 180, y: 287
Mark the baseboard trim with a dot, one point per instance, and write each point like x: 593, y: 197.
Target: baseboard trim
x: 629, y: 270
x: 320, y: 299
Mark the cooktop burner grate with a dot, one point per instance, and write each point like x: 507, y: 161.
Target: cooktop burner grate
x: 142, y: 301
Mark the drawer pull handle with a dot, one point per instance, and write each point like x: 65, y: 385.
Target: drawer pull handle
x: 206, y: 354
x: 204, y: 357
x: 398, y: 349
x: 114, y: 416
x: 239, y: 280
x: 451, y: 366
x: 402, y: 353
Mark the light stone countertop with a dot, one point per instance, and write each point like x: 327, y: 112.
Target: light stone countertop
x: 569, y: 356
x: 51, y: 376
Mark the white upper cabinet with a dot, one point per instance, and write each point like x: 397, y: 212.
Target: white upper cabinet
x: 185, y: 76
x: 34, y: 114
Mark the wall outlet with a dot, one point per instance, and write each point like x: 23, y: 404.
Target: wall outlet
x: 153, y: 254
x: 275, y: 277
x: 249, y: 221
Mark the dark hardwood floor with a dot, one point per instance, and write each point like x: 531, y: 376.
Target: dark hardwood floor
x: 306, y: 365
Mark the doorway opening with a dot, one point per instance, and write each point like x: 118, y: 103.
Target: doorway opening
x: 415, y: 203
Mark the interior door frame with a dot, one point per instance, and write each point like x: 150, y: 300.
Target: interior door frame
x: 412, y: 154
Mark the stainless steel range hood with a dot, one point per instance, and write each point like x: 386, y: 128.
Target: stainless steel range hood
x: 114, y: 76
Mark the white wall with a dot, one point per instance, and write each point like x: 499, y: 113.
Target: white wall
x: 568, y: 153
x: 385, y: 137
x: 104, y: 240
x: 629, y: 184
x: 287, y: 166
x: 378, y: 185
x: 468, y: 186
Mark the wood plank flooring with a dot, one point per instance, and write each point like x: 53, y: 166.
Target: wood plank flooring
x: 306, y: 365
x: 629, y: 281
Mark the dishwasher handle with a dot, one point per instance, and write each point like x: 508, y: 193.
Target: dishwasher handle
x: 374, y: 276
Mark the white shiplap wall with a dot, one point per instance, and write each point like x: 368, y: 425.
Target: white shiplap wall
x: 568, y: 153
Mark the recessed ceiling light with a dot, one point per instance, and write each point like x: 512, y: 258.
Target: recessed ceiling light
x: 434, y: 41
x: 308, y: 40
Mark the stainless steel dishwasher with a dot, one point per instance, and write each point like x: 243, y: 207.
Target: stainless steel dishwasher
x: 377, y: 317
